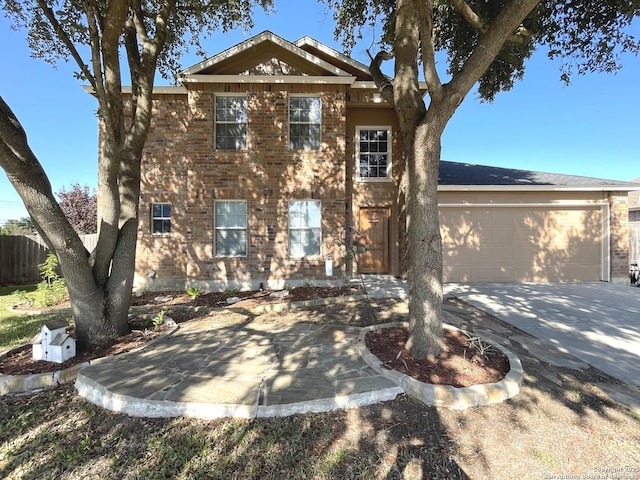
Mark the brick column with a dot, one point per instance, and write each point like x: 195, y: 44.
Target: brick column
x: 619, y: 237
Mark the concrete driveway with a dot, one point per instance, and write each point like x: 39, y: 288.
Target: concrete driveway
x: 599, y: 323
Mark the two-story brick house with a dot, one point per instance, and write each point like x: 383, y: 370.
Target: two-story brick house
x: 270, y: 154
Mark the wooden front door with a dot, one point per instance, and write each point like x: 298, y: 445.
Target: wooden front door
x: 373, y: 223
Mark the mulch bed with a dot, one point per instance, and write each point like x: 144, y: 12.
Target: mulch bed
x: 459, y: 365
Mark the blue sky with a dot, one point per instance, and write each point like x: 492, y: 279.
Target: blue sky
x: 590, y: 128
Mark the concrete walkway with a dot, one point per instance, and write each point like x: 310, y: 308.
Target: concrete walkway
x: 239, y: 369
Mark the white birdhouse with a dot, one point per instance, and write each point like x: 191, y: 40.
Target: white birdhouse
x: 53, y: 343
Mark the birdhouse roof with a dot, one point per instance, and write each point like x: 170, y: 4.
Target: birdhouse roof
x: 55, y: 324
x: 60, y: 339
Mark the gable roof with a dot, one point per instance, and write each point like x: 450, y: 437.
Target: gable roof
x: 268, y: 58
x: 266, y: 47
x: 456, y: 175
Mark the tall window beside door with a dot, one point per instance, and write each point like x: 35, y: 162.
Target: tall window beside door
x: 373, y: 154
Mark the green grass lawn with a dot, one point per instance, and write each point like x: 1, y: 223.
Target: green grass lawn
x: 16, y: 327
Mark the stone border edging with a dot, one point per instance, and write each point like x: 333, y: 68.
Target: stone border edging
x: 457, y: 398
x: 22, y: 384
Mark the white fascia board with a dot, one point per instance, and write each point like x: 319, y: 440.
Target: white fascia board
x: 308, y: 79
x: 260, y: 38
x: 333, y: 53
x: 534, y: 188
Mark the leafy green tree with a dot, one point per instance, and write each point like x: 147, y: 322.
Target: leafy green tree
x: 100, y: 36
x: 483, y: 43
x: 23, y: 226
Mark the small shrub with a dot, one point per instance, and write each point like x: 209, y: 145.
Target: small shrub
x: 193, y: 292
x: 158, y: 319
x: 308, y: 285
x: 48, y: 268
x: 233, y: 292
x: 50, y: 294
x: 481, y: 347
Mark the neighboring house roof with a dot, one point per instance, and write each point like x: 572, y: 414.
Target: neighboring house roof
x: 456, y: 175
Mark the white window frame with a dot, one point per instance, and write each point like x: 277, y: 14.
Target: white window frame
x: 217, y: 122
x: 216, y: 228
x: 318, y: 123
x: 298, y: 252
x: 163, y: 218
x: 389, y: 152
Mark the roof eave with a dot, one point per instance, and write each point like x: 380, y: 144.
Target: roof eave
x: 304, y: 79
x: 537, y: 188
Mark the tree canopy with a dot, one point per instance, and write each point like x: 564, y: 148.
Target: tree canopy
x: 22, y: 226
x: 106, y: 39
x: 586, y: 36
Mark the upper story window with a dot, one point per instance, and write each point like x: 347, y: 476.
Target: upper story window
x: 231, y: 122
x: 373, y: 153
x: 305, y: 228
x: 230, y: 228
x: 304, y: 123
x: 160, y: 218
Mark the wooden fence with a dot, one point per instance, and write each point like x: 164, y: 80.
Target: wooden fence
x: 20, y: 256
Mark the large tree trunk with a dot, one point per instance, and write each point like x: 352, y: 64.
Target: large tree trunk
x: 424, y: 245
x: 99, y: 311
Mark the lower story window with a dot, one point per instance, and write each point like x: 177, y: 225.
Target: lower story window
x: 160, y: 218
x: 230, y: 228
x: 305, y: 231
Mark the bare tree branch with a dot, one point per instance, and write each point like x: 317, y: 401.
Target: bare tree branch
x: 424, y: 11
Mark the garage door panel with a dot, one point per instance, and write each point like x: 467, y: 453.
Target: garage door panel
x: 521, y: 244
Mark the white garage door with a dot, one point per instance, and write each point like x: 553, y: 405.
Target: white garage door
x: 522, y: 243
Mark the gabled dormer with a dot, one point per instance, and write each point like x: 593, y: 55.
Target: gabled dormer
x: 268, y: 58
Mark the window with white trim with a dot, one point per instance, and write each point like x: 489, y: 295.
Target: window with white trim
x: 160, y: 218
x: 231, y: 122
x: 305, y: 228
x: 230, y: 219
x: 305, y: 115
x: 373, y: 153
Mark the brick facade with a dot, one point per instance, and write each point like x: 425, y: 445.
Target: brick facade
x: 182, y: 167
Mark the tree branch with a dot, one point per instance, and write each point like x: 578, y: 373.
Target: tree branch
x: 424, y: 10
x: 519, y: 34
x: 469, y: 15
x: 50, y: 15
x: 384, y: 83
x: 491, y: 42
